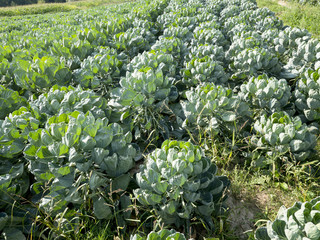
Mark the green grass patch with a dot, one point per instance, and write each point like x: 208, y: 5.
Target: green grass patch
x: 43, y: 8
x: 296, y: 15
x: 256, y: 195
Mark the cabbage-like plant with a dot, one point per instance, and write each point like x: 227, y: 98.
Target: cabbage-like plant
x: 207, y: 19
x: 254, y: 61
x: 101, y: 69
x: 78, y: 48
x: 61, y: 100
x: 14, y: 177
x: 5, y: 75
x: 14, y: 182
x: 10, y: 101
x: 301, y: 221
x: 41, y: 73
x: 214, y: 52
x: 307, y: 95
x: 93, y: 36
x: 167, y: 19
x: 307, y: 55
x: 145, y: 24
x: 76, y: 157
x: 200, y: 70
x: 188, y: 22
x: 133, y: 41
x: 244, y: 40
x: 171, y: 45
x: 228, y: 12
x: 163, y: 234
x: 209, y: 36
x: 155, y: 60
x: 144, y: 96
x: 180, y: 183
x: 266, y: 94
x: 235, y: 25
x: 285, y: 41
x: 281, y: 134
x: 182, y: 33
x: 214, y: 109
x: 261, y: 19
x: 14, y: 131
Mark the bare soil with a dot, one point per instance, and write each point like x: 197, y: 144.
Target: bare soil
x: 283, y: 3
x: 242, y: 216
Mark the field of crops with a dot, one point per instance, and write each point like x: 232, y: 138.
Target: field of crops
x: 116, y: 117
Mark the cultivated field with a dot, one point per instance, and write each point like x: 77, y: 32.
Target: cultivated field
x: 165, y: 119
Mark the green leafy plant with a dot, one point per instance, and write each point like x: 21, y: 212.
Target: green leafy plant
x: 180, y: 183
x: 14, y: 182
x: 280, y: 134
x: 214, y: 52
x: 301, y: 221
x: 307, y: 95
x: 252, y: 62
x: 155, y: 60
x: 200, y: 70
x: 215, y: 109
x: 10, y: 101
x: 144, y: 97
x: 77, y: 47
x: 100, y: 70
x: 171, y: 45
x: 41, y: 73
x: 307, y: 55
x: 78, y: 158
x: 14, y: 131
x: 209, y: 36
x: 267, y: 94
x: 182, y: 33
x: 164, y: 234
x: 133, y: 41
x: 63, y: 100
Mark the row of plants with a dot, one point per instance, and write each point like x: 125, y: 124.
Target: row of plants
x: 102, y: 112
x: 311, y: 2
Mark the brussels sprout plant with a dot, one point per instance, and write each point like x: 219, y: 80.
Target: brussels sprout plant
x: 281, y: 134
x: 164, y: 234
x: 180, y: 183
x: 266, y: 94
x: 299, y: 222
x: 307, y: 95
x: 215, y: 109
x: 76, y: 154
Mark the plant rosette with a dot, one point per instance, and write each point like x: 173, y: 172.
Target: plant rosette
x: 281, y: 134
x: 180, y: 183
x: 299, y: 222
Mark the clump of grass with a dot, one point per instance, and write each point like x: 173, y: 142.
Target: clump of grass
x: 35, y: 9
x: 43, y: 8
x: 296, y: 15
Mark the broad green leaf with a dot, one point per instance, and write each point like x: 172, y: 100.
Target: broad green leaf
x: 13, y: 234
x: 3, y: 220
x: 312, y: 231
x: 229, y: 116
x: 101, y: 209
x: 87, y: 142
x: 97, y: 180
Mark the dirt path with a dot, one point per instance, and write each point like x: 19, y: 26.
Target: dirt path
x: 283, y: 3
x: 242, y: 216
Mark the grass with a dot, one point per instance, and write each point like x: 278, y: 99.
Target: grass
x: 43, y: 8
x: 296, y: 15
x: 255, y: 196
